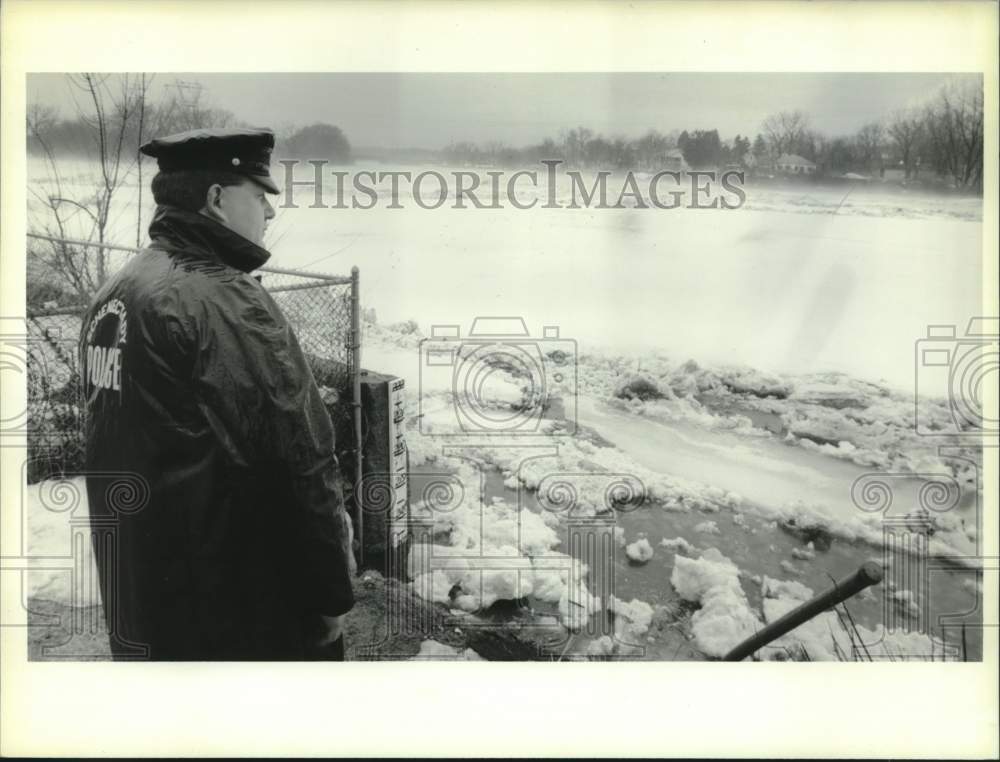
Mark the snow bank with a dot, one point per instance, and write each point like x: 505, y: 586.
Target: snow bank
x: 49, y: 508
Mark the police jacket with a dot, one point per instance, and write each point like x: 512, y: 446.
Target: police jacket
x: 195, y: 384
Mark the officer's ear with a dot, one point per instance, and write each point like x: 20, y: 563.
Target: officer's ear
x: 213, y: 203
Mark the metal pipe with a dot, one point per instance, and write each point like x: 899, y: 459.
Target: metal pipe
x: 326, y: 277
x: 356, y: 371
x: 870, y: 573
x: 297, y: 286
x: 84, y: 244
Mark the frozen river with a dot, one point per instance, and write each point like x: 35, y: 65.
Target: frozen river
x: 794, y: 282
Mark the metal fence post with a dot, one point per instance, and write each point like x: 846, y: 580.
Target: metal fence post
x: 356, y: 393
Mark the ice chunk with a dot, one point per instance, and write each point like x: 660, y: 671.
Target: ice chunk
x: 725, y: 618
x: 806, y: 553
x: 432, y: 649
x: 788, y: 567
x: 707, y: 527
x: 603, y: 646
x: 776, y: 588
x: 907, y: 602
x: 678, y: 545
x: 638, y: 614
x: 639, y: 551
x: 693, y: 577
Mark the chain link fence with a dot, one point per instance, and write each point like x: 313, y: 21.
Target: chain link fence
x: 322, y: 309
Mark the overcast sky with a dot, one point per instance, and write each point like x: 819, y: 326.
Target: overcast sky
x: 432, y: 110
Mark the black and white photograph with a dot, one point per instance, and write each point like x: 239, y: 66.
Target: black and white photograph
x: 566, y: 366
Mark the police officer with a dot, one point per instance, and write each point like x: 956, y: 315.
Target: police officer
x: 196, y: 384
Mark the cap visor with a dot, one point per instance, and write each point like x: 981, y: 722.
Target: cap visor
x: 266, y: 181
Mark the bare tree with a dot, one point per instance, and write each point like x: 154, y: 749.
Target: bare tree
x: 651, y: 147
x: 954, y: 123
x: 906, y: 128
x: 57, y: 260
x: 109, y: 106
x: 785, y: 131
x: 574, y: 145
x: 113, y: 106
x: 868, y: 143
x: 185, y: 109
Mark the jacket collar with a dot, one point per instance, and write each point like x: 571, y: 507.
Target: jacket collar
x: 177, y: 229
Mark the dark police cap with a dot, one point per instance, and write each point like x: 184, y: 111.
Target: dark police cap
x: 243, y: 151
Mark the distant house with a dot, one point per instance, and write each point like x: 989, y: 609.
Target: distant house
x: 673, y: 161
x: 793, y: 164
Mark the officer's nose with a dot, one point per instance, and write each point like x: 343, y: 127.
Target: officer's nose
x: 269, y: 210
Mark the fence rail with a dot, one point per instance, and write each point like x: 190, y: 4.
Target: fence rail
x: 323, y: 310
x: 343, y: 280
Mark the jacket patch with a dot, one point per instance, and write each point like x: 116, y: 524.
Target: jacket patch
x: 104, y: 366
x: 105, y: 335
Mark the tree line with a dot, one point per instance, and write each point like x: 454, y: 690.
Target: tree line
x: 942, y: 137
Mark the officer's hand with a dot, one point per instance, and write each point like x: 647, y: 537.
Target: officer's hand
x: 331, y: 628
